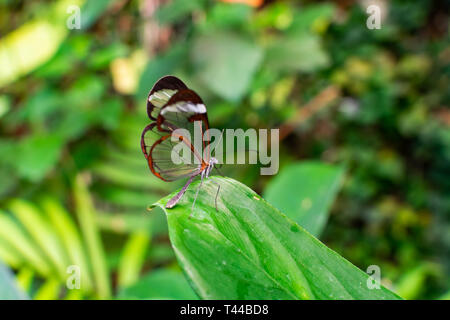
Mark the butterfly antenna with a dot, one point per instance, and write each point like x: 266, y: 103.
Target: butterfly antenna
x: 220, y: 139
x: 220, y: 172
x: 221, y: 136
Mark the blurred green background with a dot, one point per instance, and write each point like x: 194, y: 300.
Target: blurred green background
x: 74, y: 186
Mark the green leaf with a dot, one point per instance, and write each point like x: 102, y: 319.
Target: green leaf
x: 296, y: 53
x: 86, y: 216
x: 8, y: 255
x: 312, y: 17
x: 33, y: 43
x: 160, y: 66
x: 92, y: 10
x: 445, y: 296
x: 123, y: 223
x: 39, y: 153
x: 49, y: 290
x: 24, y: 278
x: 41, y: 105
x: 19, y: 246
x: 125, y: 197
x: 41, y: 232
x: 160, y: 284
x: 226, y: 62
x: 305, y: 192
x: 5, y: 105
x: 249, y: 250
x: 69, y: 237
x: 104, y: 56
x: 176, y: 10
x: 226, y: 15
x: 8, y: 286
x: 133, y: 257
x: 413, y: 282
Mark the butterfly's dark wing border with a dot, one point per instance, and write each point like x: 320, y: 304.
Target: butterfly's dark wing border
x: 182, y: 110
x: 183, y: 105
x: 160, y: 94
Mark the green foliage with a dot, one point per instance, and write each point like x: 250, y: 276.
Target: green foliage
x: 75, y: 187
x: 9, y: 289
x: 177, y: 10
x: 133, y: 257
x: 33, y: 43
x: 296, y: 53
x: 86, y: 216
x: 305, y: 192
x: 213, y: 54
x: 160, y: 284
x: 249, y: 250
x: 39, y: 153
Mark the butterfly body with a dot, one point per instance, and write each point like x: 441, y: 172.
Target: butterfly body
x: 172, y: 106
x: 204, y: 173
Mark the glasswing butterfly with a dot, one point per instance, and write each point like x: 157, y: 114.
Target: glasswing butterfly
x: 171, y: 106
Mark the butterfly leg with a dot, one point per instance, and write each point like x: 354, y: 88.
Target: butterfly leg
x: 196, y: 193
x: 172, y: 202
x: 217, y: 193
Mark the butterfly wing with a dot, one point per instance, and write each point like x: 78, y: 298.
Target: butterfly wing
x: 160, y: 94
x: 158, y: 146
x: 186, y: 110
x: 174, y: 106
